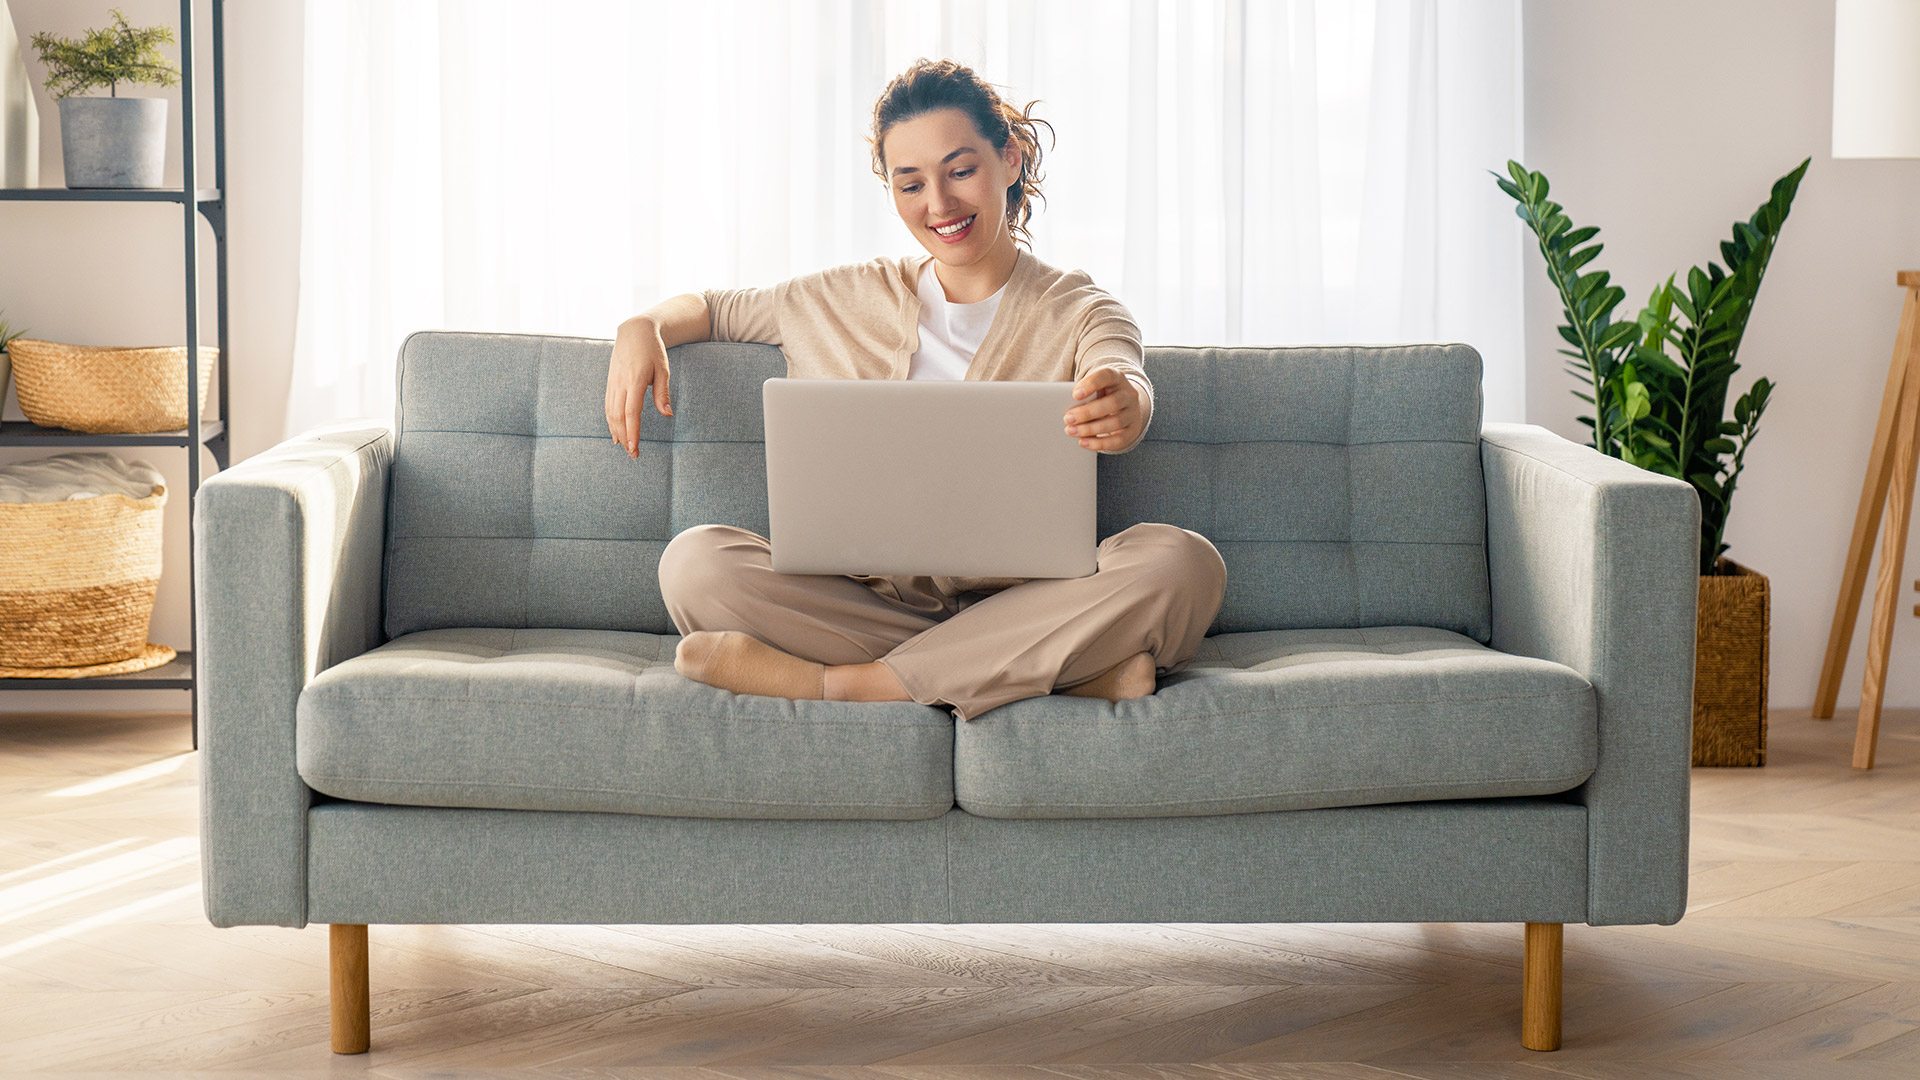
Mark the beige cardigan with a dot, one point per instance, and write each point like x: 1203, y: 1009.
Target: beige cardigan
x: 862, y: 321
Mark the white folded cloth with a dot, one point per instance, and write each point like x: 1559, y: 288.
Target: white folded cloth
x: 79, y: 475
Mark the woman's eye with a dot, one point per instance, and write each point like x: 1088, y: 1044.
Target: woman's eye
x: 963, y: 172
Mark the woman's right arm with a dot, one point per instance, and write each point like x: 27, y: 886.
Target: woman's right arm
x: 640, y: 360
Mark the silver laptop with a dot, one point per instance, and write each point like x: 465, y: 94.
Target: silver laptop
x: 963, y: 479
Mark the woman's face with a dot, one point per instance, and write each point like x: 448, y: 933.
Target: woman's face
x: 942, y: 173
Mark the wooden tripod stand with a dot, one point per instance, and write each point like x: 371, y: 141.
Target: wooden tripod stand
x: 1889, y: 484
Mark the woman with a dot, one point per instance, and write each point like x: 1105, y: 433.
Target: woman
x: 962, y: 167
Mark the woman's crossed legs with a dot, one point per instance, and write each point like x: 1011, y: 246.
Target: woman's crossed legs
x: 750, y: 629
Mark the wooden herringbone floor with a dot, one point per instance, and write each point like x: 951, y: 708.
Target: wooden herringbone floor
x: 1800, y: 958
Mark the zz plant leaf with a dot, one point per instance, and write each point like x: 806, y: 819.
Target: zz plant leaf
x: 1658, y: 383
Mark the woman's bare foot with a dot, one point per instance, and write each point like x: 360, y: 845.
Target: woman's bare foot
x: 744, y: 664
x: 1128, y: 679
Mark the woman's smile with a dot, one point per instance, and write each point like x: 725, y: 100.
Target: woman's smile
x: 955, y: 231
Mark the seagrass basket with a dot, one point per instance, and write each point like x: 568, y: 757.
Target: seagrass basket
x: 106, y: 391
x: 1730, y: 667
x: 77, y: 582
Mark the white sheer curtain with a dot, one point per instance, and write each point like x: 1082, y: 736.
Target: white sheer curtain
x: 1256, y: 172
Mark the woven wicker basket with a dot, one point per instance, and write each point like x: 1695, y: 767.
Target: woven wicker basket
x: 107, y: 391
x: 77, y: 579
x: 1730, y: 668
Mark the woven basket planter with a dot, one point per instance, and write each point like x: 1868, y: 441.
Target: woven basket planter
x: 1730, y: 668
x: 77, y: 579
x: 108, y: 391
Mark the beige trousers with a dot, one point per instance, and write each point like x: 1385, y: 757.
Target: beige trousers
x: 1156, y: 590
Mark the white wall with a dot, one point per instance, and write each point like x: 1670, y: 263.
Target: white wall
x: 1664, y: 122
x: 1660, y: 122
x: 110, y: 274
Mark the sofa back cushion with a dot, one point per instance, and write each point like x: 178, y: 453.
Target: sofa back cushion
x: 1341, y: 485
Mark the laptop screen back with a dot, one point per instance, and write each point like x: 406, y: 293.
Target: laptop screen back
x: 963, y: 479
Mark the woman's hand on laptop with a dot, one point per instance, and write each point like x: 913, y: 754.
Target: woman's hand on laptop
x: 639, y: 361
x: 1110, y: 415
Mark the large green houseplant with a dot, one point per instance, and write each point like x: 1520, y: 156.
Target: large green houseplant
x: 1658, y: 384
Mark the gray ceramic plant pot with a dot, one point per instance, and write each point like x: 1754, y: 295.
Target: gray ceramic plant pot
x: 113, y: 142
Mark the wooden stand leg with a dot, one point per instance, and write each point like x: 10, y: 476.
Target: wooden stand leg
x: 1866, y: 519
x: 1893, y: 547
x: 351, y: 1019
x: 1540, y: 987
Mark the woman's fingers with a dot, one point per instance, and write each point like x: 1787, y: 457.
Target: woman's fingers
x: 638, y: 362
x: 1109, y: 432
x: 633, y: 420
x: 1106, y: 415
x: 616, y: 411
x: 1111, y: 441
x: 1097, y: 381
x: 1080, y: 421
x: 1113, y: 394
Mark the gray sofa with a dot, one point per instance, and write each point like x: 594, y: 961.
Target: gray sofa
x: 1451, y: 679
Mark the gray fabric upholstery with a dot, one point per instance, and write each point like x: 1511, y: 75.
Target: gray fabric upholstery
x: 286, y: 583
x: 1341, y: 486
x: 397, y: 864
x: 599, y: 720
x: 1288, y: 720
x: 1501, y: 861
x: 513, y: 507
x: 1594, y: 566
x: 1510, y: 860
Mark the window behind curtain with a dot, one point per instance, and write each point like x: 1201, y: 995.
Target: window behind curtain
x: 1238, y: 172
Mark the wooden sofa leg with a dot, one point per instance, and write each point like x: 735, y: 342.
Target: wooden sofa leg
x: 351, y: 1020
x: 1540, y: 987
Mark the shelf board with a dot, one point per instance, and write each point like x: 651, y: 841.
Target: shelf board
x: 26, y: 433
x: 172, y: 195
x: 175, y: 674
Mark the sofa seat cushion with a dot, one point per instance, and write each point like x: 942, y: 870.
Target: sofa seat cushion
x: 599, y: 720
x: 1290, y: 720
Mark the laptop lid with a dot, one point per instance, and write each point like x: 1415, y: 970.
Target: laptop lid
x: 961, y: 479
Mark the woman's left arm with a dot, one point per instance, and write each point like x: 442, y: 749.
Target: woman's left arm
x: 1114, y: 397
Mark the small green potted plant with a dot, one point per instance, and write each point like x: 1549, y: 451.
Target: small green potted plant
x: 112, y: 141
x: 7, y: 334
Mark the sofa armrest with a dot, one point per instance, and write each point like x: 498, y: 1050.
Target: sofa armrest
x: 1593, y: 565
x: 287, y: 583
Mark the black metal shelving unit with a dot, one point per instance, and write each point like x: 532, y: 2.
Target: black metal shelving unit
x: 196, y: 202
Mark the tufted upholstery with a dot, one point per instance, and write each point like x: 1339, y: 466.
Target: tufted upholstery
x: 1342, y: 486
x: 597, y: 720
x: 1291, y: 720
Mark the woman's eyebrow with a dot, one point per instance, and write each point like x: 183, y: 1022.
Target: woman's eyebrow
x: 943, y: 161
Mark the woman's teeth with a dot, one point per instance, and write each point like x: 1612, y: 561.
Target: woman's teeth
x: 957, y: 228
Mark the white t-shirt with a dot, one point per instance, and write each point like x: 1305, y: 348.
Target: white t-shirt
x: 949, y: 333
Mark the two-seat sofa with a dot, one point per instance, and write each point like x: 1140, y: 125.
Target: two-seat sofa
x: 1451, y: 679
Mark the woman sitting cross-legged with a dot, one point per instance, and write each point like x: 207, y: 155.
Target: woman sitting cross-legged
x: 962, y: 168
